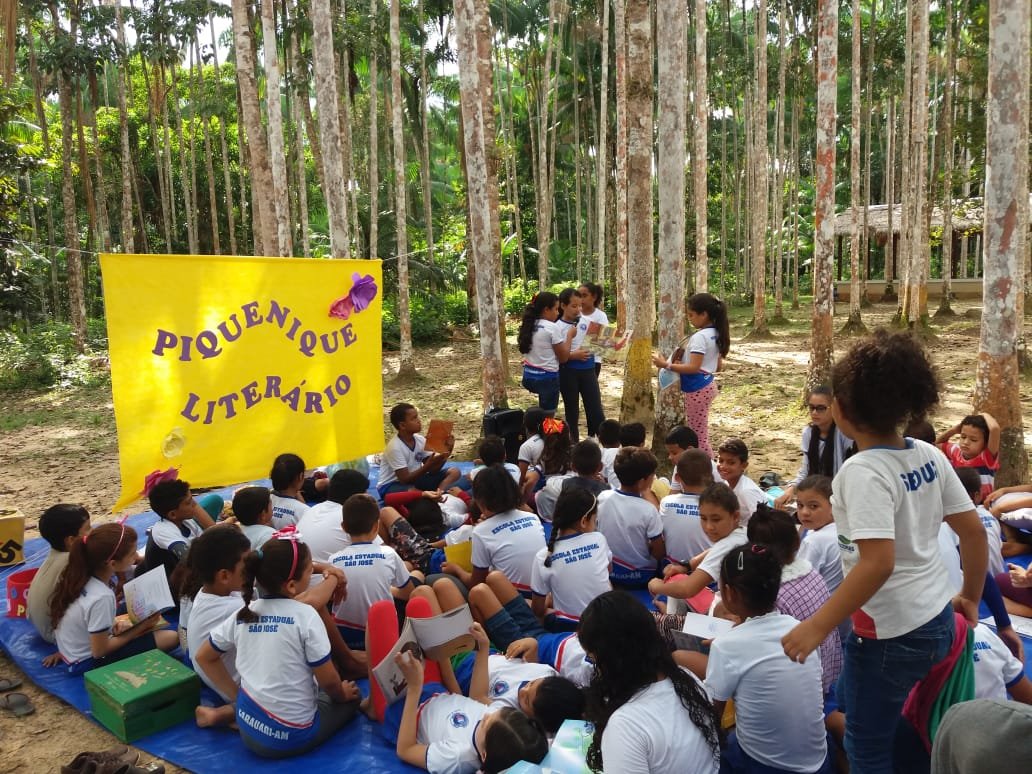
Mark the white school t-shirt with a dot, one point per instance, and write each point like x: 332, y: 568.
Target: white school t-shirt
x: 629, y: 523
x: 371, y: 570
x: 447, y: 723
x: 542, y: 346
x: 710, y: 564
x: 902, y: 495
x: 92, y: 612
x: 996, y: 668
x: 704, y: 342
x: 320, y: 529
x: 510, y: 468
x: 579, y: 573
x: 398, y: 455
x: 286, y: 511
x: 531, y: 449
x: 749, y: 664
x: 454, y: 510
x: 585, y: 320
x: 682, y: 530
x: 566, y: 654
x: 165, y: 533
x: 994, y: 537
x: 652, y: 733
x: 275, y: 656
x: 749, y: 496
x: 608, y: 458
x: 207, y: 613
x: 257, y: 534
x: 508, y: 542
x: 821, y: 549
x: 506, y: 675
x: 544, y: 500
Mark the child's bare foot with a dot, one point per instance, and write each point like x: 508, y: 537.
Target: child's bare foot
x: 206, y: 716
x: 366, y: 708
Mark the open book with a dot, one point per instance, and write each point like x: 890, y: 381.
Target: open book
x: 146, y: 595
x: 437, y: 436
x: 605, y: 342
x: 697, y: 628
x: 436, y: 638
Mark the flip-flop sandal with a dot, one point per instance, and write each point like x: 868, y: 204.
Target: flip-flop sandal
x: 17, y: 704
x: 7, y: 684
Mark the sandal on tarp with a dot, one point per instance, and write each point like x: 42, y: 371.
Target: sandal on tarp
x: 17, y: 704
x: 7, y: 684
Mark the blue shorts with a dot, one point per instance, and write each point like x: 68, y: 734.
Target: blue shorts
x: 513, y: 622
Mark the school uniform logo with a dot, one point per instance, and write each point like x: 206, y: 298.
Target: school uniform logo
x: 459, y: 719
x: 499, y: 688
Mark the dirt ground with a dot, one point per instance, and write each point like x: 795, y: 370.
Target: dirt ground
x: 61, y: 446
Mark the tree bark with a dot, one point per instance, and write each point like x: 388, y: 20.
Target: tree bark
x: 479, y: 182
x: 945, y: 308
x: 671, y: 45
x: 326, y: 95
x: 1005, y: 231
x: 821, y: 343
x: 854, y: 323
x: 73, y: 259
x: 758, y: 210
x: 274, y: 110
x: 406, y: 366
x: 374, y: 136
x: 602, y: 168
x: 128, y: 241
x: 258, y: 145
x: 424, y: 156
x: 780, y: 167
x: 227, y: 178
x: 917, y: 285
x: 700, y: 193
x: 622, y: 225
x: 637, y: 400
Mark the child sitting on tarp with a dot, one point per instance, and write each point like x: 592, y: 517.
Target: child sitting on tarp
x: 61, y: 526
x: 181, y: 518
x: 406, y: 464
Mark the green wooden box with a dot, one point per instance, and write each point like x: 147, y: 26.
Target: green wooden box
x: 142, y: 694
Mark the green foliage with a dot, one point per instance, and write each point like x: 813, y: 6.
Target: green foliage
x: 45, y: 356
x: 429, y: 320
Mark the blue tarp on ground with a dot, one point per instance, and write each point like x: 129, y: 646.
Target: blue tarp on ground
x: 358, y: 747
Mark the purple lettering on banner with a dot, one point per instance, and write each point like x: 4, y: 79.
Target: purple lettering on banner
x: 184, y: 352
x: 225, y: 328
x: 251, y: 394
x: 272, y: 386
x: 251, y: 316
x: 313, y: 402
x: 211, y: 412
x: 227, y: 401
x: 349, y: 335
x: 208, y: 350
x: 294, y: 326
x: 166, y: 340
x: 342, y: 385
x: 293, y: 398
x: 328, y: 392
x: 188, y: 410
x: 278, y: 314
x: 325, y: 338
x: 307, y: 343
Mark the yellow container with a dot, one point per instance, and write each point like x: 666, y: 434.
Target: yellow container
x: 12, y: 537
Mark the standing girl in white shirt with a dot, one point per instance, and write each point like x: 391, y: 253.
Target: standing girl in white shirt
x: 649, y: 714
x: 700, y: 360
x: 890, y: 499
x: 544, y: 346
x: 282, y: 657
x: 574, y: 567
x: 83, y: 605
x: 577, y: 377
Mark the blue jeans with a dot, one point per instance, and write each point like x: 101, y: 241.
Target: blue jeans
x: 876, y: 678
x: 546, y: 389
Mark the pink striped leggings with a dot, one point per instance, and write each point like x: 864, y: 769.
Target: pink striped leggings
x: 696, y: 413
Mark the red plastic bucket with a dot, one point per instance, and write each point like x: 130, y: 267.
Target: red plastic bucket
x: 18, y: 592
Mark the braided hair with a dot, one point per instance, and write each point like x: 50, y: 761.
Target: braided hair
x: 276, y: 563
x: 571, y: 506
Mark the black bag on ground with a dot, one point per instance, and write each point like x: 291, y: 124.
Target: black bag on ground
x: 508, y: 425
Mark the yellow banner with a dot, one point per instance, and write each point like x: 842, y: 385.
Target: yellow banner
x: 218, y: 364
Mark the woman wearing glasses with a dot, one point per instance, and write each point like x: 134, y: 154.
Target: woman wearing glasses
x: 824, y: 447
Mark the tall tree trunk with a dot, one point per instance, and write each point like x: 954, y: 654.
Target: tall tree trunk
x: 57, y: 306
x: 854, y: 324
x: 869, y: 139
x: 274, y: 111
x: 671, y: 45
x: 326, y: 95
x: 471, y: 50
x: 406, y: 366
x: 821, y: 346
x: 796, y: 216
x: 890, y: 197
x: 298, y: 117
x: 945, y: 309
x: 965, y: 191
x: 780, y: 168
x: 227, y: 180
x: 424, y: 155
x: 128, y: 240
x: 374, y: 136
x: 186, y: 181
x: 620, y: 146
x: 699, y: 151
x: 636, y: 403
x: 258, y: 145
x: 917, y: 286
x: 209, y: 161
x: 546, y: 170
x: 997, y: 379
x: 602, y: 167
x: 758, y: 210
x: 73, y: 259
